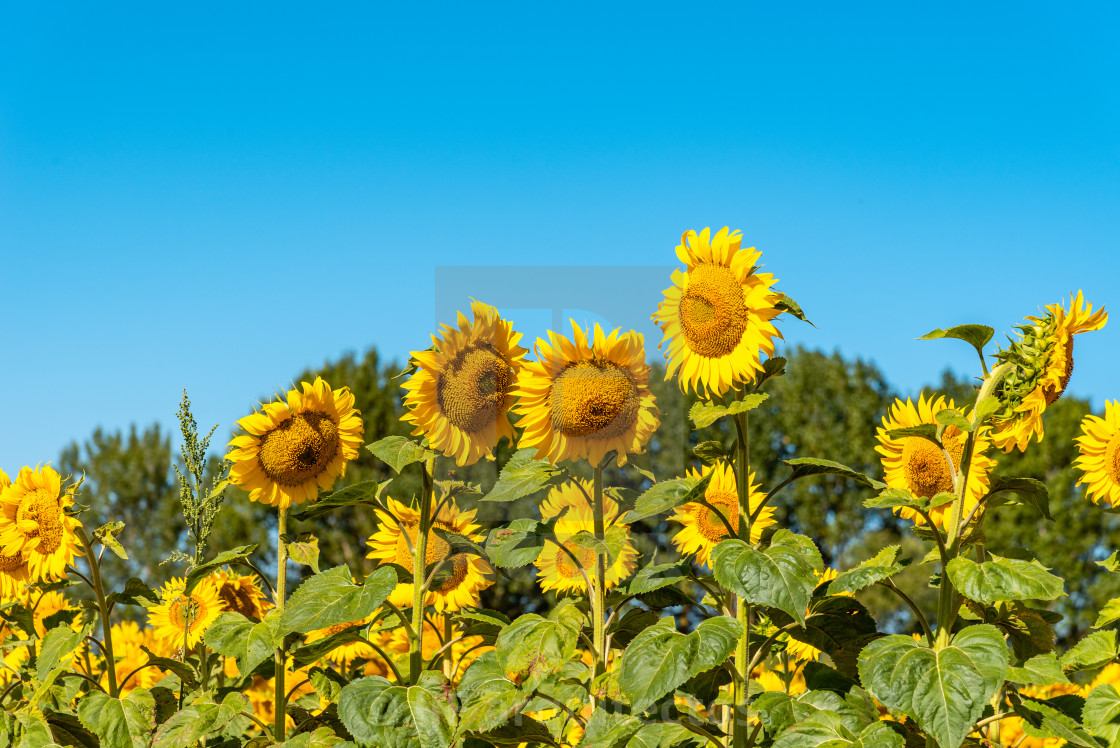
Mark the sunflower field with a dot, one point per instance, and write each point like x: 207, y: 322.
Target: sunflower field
x: 743, y: 638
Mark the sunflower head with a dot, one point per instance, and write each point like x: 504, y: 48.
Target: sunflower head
x: 462, y: 575
x: 35, y: 525
x: 563, y: 563
x: 917, y: 465
x: 1099, y: 455
x: 717, y: 316
x: 1039, y: 366
x: 703, y: 528
x: 293, y: 449
x: 179, y: 614
x: 462, y: 389
x: 240, y: 594
x: 584, y: 398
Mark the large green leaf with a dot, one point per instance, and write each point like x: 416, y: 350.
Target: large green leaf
x: 366, y: 493
x: 1101, y: 714
x: 705, y: 414
x: 806, y: 466
x: 1109, y: 614
x: 332, y: 598
x: 322, y: 737
x: 1040, y: 670
x: 524, y: 475
x: 119, y: 723
x: 882, y: 565
x: 944, y: 691
x: 1042, y: 720
x: 1094, y: 651
x: 668, y: 494
x: 233, y: 635
x: 660, y: 658
x: 399, y: 451
x: 531, y: 648
x: 607, y: 729
x: 58, y: 645
x: 1024, y: 491
x: 1003, y: 579
x: 517, y: 544
x: 198, y: 573
x: 780, y: 576
x: 977, y: 336
x: 826, y: 730
x: 487, y: 697
x: 202, y: 718
x: 383, y: 714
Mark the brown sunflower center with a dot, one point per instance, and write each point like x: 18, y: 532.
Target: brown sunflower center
x: 473, y: 387
x: 238, y: 599
x: 180, y: 608
x: 1112, y: 458
x: 565, y: 566
x: 299, y: 448
x: 41, y: 507
x: 11, y: 563
x: 435, y: 551
x: 926, y: 469
x: 713, y: 311
x: 594, y: 398
x: 708, y: 522
x: 1052, y: 394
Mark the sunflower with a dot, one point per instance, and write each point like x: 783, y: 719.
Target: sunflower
x: 292, y: 450
x: 34, y: 523
x: 462, y: 390
x: 581, y: 400
x: 717, y: 315
x: 1100, y: 455
x: 169, y: 617
x: 240, y: 594
x: 129, y: 641
x: 702, y: 528
x: 918, y: 466
x: 557, y: 570
x: 13, y: 569
x: 1042, y: 363
x: 464, y: 574
x: 574, y: 493
x: 345, y: 654
x: 50, y: 603
x: 799, y: 650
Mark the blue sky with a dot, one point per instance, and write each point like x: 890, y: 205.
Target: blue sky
x: 214, y: 196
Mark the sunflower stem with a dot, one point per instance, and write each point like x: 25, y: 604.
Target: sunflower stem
x: 419, y: 564
x: 741, y: 685
x: 281, y: 592
x: 103, y: 610
x: 599, y: 592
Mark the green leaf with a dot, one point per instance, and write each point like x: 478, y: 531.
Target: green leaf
x: 927, y: 431
x: 607, y: 729
x: 198, y: 573
x: 321, y: 737
x: 523, y: 476
x: 58, y: 646
x: 182, y: 670
x: 1094, y: 651
x: 1041, y: 720
x: 896, y: 497
x: 531, y: 648
x: 710, y: 452
x: 660, y: 658
x: 384, y: 714
x: 1003, y: 579
x: 1040, y: 670
x: 1112, y: 563
x: 331, y: 598
x: 780, y: 576
x: 806, y: 466
x: 365, y: 493
x: 650, y: 578
x: 305, y: 551
x: 135, y: 592
x: 705, y: 414
x: 953, y: 417
x: 977, y: 336
x: 839, y: 626
x: 882, y: 565
x: 1023, y: 491
x: 1101, y: 714
x: 459, y: 543
x: 786, y: 304
x: 398, y: 452
x: 825, y: 730
x: 666, y: 495
x: 107, y: 536
x: 517, y: 544
x: 202, y: 718
x: 1109, y: 614
x: 944, y: 691
x: 481, y: 622
x: 120, y: 723
x: 775, y: 366
x: 487, y: 697
x: 233, y: 635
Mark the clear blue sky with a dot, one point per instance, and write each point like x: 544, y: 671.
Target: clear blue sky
x: 216, y: 195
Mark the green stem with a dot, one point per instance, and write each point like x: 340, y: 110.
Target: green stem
x: 281, y: 592
x: 741, y: 686
x: 103, y: 609
x: 419, y: 565
x: 599, y: 588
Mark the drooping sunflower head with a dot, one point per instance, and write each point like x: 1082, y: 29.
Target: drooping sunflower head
x: 461, y: 576
x: 1099, y: 448
x: 702, y: 528
x: 717, y: 317
x: 562, y: 563
x: 462, y: 390
x: 917, y: 465
x: 1040, y: 364
x: 582, y: 399
x: 178, y: 613
x: 292, y: 450
x: 240, y: 594
x: 36, y: 526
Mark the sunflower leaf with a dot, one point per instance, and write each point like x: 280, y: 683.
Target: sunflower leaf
x: 705, y: 414
x: 57, y: 646
x: 1025, y: 492
x: 379, y: 712
x: 332, y: 598
x: 666, y: 495
x: 786, y: 304
x: 806, y: 466
x: 398, y: 452
x: 1040, y: 670
x: 135, y: 592
x: 107, y: 536
x: 459, y: 543
x: 1110, y: 614
x: 927, y: 431
x: 488, y: 699
x: 775, y: 366
x: 518, y: 543
x: 892, y: 497
x: 523, y: 476
x: 182, y: 670
x: 710, y: 452
x: 1101, y: 713
x: 1112, y: 563
x: 313, y: 652
x: 780, y: 576
x: 1041, y: 719
x: 953, y: 417
x: 1094, y: 651
x: 233, y: 635
x: 304, y: 550
x: 882, y: 565
x: 1003, y: 579
x: 977, y: 336
x: 366, y: 492
x: 198, y: 573
x: 531, y: 648
x: 119, y: 723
